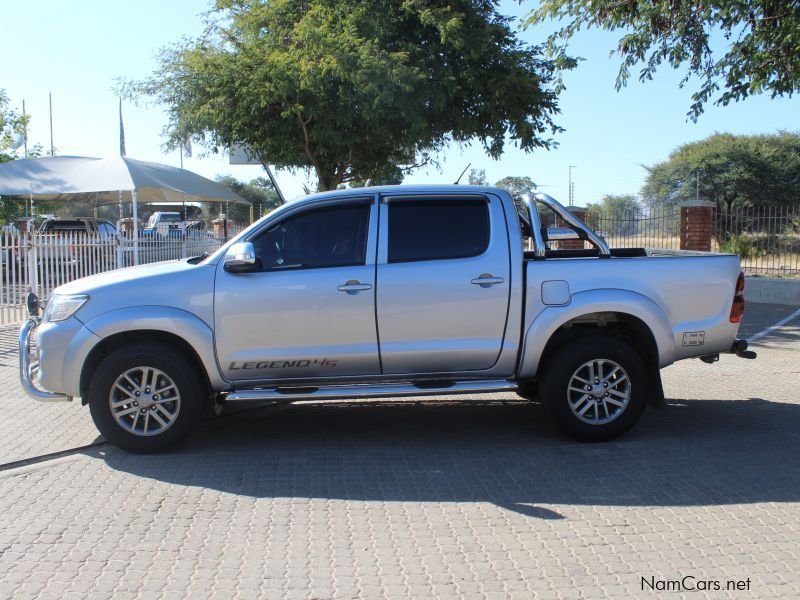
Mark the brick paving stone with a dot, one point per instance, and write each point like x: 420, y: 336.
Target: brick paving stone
x: 417, y: 500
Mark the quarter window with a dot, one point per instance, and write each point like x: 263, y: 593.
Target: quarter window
x: 433, y: 229
x: 324, y: 237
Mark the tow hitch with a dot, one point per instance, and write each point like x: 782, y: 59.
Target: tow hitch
x: 739, y: 348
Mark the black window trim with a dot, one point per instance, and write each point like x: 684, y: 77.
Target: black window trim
x: 310, y: 207
x: 485, y: 200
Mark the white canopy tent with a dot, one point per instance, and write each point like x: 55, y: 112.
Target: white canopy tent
x: 117, y: 180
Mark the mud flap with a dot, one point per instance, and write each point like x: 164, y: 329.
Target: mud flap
x: 655, y: 393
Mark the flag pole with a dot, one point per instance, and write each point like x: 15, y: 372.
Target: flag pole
x: 52, y: 148
x: 25, y: 134
x: 121, y: 131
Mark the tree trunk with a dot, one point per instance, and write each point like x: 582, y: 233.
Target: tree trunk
x: 329, y: 178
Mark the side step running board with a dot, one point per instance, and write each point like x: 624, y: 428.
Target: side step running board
x: 383, y: 390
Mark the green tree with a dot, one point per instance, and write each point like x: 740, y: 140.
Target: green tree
x: 351, y: 88
x: 259, y: 192
x: 761, y: 41
x: 517, y: 186
x: 730, y: 170
x: 392, y: 175
x: 12, y: 125
x: 477, y: 177
x: 614, y: 215
x: 616, y: 206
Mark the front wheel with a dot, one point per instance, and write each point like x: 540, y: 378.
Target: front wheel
x: 595, y: 387
x: 145, y: 397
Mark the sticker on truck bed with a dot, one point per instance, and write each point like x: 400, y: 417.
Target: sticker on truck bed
x: 694, y: 338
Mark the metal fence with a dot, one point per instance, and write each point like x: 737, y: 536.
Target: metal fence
x: 645, y: 228
x: 766, y: 238
x: 42, y: 262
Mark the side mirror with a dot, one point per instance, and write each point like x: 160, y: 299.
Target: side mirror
x: 240, y: 258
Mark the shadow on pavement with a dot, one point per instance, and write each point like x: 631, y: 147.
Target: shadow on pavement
x: 695, y: 453
x: 783, y: 337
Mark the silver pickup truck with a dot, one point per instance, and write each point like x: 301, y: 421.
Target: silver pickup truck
x: 382, y: 292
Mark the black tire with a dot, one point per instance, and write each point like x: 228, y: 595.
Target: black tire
x: 570, y: 361
x: 189, y: 386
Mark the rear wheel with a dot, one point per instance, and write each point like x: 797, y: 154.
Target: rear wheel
x: 145, y: 397
x: 595, y: 387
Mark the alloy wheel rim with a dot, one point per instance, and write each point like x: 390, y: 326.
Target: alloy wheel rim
x: 599, y: 391
x: 144, y: 401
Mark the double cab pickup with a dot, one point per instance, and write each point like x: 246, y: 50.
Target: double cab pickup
x: 383, y: 292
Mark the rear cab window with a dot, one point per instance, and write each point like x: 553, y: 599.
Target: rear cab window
x: 437, y: 229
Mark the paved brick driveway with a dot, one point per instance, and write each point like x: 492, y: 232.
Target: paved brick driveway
x: 408, y: 500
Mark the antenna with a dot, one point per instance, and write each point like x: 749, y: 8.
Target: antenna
x: 462, y: 173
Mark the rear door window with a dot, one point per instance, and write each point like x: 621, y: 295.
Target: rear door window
x: 431, y: 229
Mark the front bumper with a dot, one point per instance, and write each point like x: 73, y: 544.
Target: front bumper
x: 29, y: 366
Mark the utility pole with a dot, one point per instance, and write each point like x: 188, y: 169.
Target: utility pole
x: 571, y: 185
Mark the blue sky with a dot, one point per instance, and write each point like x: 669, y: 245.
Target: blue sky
x: 77, y: 49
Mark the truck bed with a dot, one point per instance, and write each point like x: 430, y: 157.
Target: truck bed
x: 694, y: 291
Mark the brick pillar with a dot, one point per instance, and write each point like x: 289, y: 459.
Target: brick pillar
x: 218, y: 226
x: 580, y: 212
x: 125, y: 227
x: 696, y: 225
x: 25, y: 225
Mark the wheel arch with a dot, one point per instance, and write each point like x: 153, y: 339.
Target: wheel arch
x: 631, y: 317
x: 179, y: 329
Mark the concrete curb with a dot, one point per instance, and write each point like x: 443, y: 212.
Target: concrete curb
x: 772, y: 291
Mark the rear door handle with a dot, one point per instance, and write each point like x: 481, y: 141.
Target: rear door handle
x: 354, y: 286
x: 487, y: 280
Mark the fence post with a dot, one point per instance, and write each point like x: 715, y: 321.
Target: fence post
x: 32, y: 260
x: 696, y: 225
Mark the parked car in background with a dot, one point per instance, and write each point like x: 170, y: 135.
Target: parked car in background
x: 80, y: 225
x: 162, y: 224
x: 74, y: 242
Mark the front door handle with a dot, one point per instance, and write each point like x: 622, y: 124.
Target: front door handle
x: 354, y: 286
x: 487, y: 280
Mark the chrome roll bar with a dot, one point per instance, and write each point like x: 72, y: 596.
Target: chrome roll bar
x: 566, y: 215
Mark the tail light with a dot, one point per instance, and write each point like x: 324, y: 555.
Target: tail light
x: 737, y: 308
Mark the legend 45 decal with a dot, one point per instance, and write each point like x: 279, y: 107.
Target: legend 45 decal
x: 282, y: 364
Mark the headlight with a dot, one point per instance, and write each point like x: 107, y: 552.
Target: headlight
x: 60, y: 308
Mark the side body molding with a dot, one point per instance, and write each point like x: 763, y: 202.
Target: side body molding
x: 551, y: 318
x: 183, y: 324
